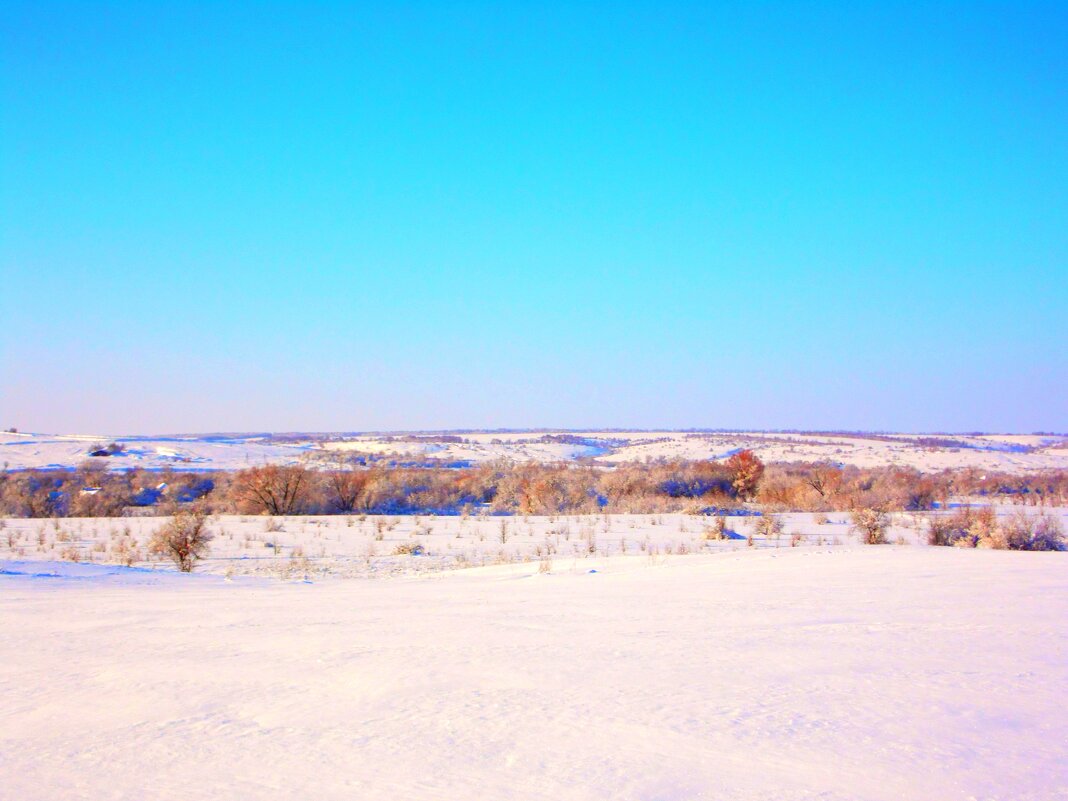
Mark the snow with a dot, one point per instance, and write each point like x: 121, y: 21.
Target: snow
x: 21, y: 451
x: 893, y: 672
x: 1011, y: 453
x: 63, y: 572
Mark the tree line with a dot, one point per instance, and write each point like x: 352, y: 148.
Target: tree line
x: 514, y: 489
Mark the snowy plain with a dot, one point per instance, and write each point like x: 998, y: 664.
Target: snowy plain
x: 823, y: 672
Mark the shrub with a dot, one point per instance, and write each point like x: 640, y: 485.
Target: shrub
x: 984, y: 531
x: 968, y: 528
x: 768, y: 526
x: 718, y: 530
x: 871, y: 524
x: 126, y: 552
x: 184, y: 540
x: 1043, y: 532
x: 949, y: 530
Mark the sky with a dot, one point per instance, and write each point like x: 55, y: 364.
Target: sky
x: 344, y: 216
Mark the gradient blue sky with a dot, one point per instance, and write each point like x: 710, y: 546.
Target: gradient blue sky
x: 440, y: 215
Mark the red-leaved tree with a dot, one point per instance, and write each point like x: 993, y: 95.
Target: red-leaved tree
x: 746, y: 472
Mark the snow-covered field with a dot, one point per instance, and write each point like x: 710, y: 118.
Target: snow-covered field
x: 376, y: 545
x: 825, y: 672
x: 1011, y: 453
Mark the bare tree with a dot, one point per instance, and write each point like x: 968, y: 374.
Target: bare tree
x: 824, y: 478
x: 345, y: 485
x: 272, y: 489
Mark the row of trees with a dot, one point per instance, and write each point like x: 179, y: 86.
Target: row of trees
x: 510, y: 488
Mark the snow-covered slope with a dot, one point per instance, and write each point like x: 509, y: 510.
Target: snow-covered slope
x: 1012, y: 453
x: 212, y: 452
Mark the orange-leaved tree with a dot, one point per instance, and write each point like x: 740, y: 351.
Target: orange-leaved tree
x: 746, y: 472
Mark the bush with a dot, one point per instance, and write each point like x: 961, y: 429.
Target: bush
x: 184, y: 540
x: 769, y: 527
x: 871, y: 524
x: 1043, y: 532
x: 718, y: 530
x: 950, y: 530
x: 984, y: 531
x: 969, y: 528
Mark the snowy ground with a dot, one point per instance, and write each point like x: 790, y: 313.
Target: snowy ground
x: 1011, y: 453
x: 830, y: 673
x: 370, y: 546
x: 348, y: 546
x: 46, y: 451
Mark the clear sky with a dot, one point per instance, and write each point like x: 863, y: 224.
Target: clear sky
x: 318, y: 216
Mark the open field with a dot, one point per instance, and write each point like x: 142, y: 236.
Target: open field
x: 519, y: 656
x: 368, y: 545
x: 927, y: 452
x: 374, y: 545
x: 830, y: 673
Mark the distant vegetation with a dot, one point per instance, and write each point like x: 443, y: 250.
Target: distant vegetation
x: 983, y: 528
x: 509, y: 488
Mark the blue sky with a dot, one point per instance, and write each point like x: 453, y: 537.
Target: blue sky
x: 440, y: 215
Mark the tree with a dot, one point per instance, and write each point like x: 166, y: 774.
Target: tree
x: 345, y: 486
x: 183, y: 540
x: 746, y: 472
x: 272, y: 489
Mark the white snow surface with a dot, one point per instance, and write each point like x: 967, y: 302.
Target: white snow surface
x: 769, y: 674
x: 45, y: 451
x: 1011, y: 453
